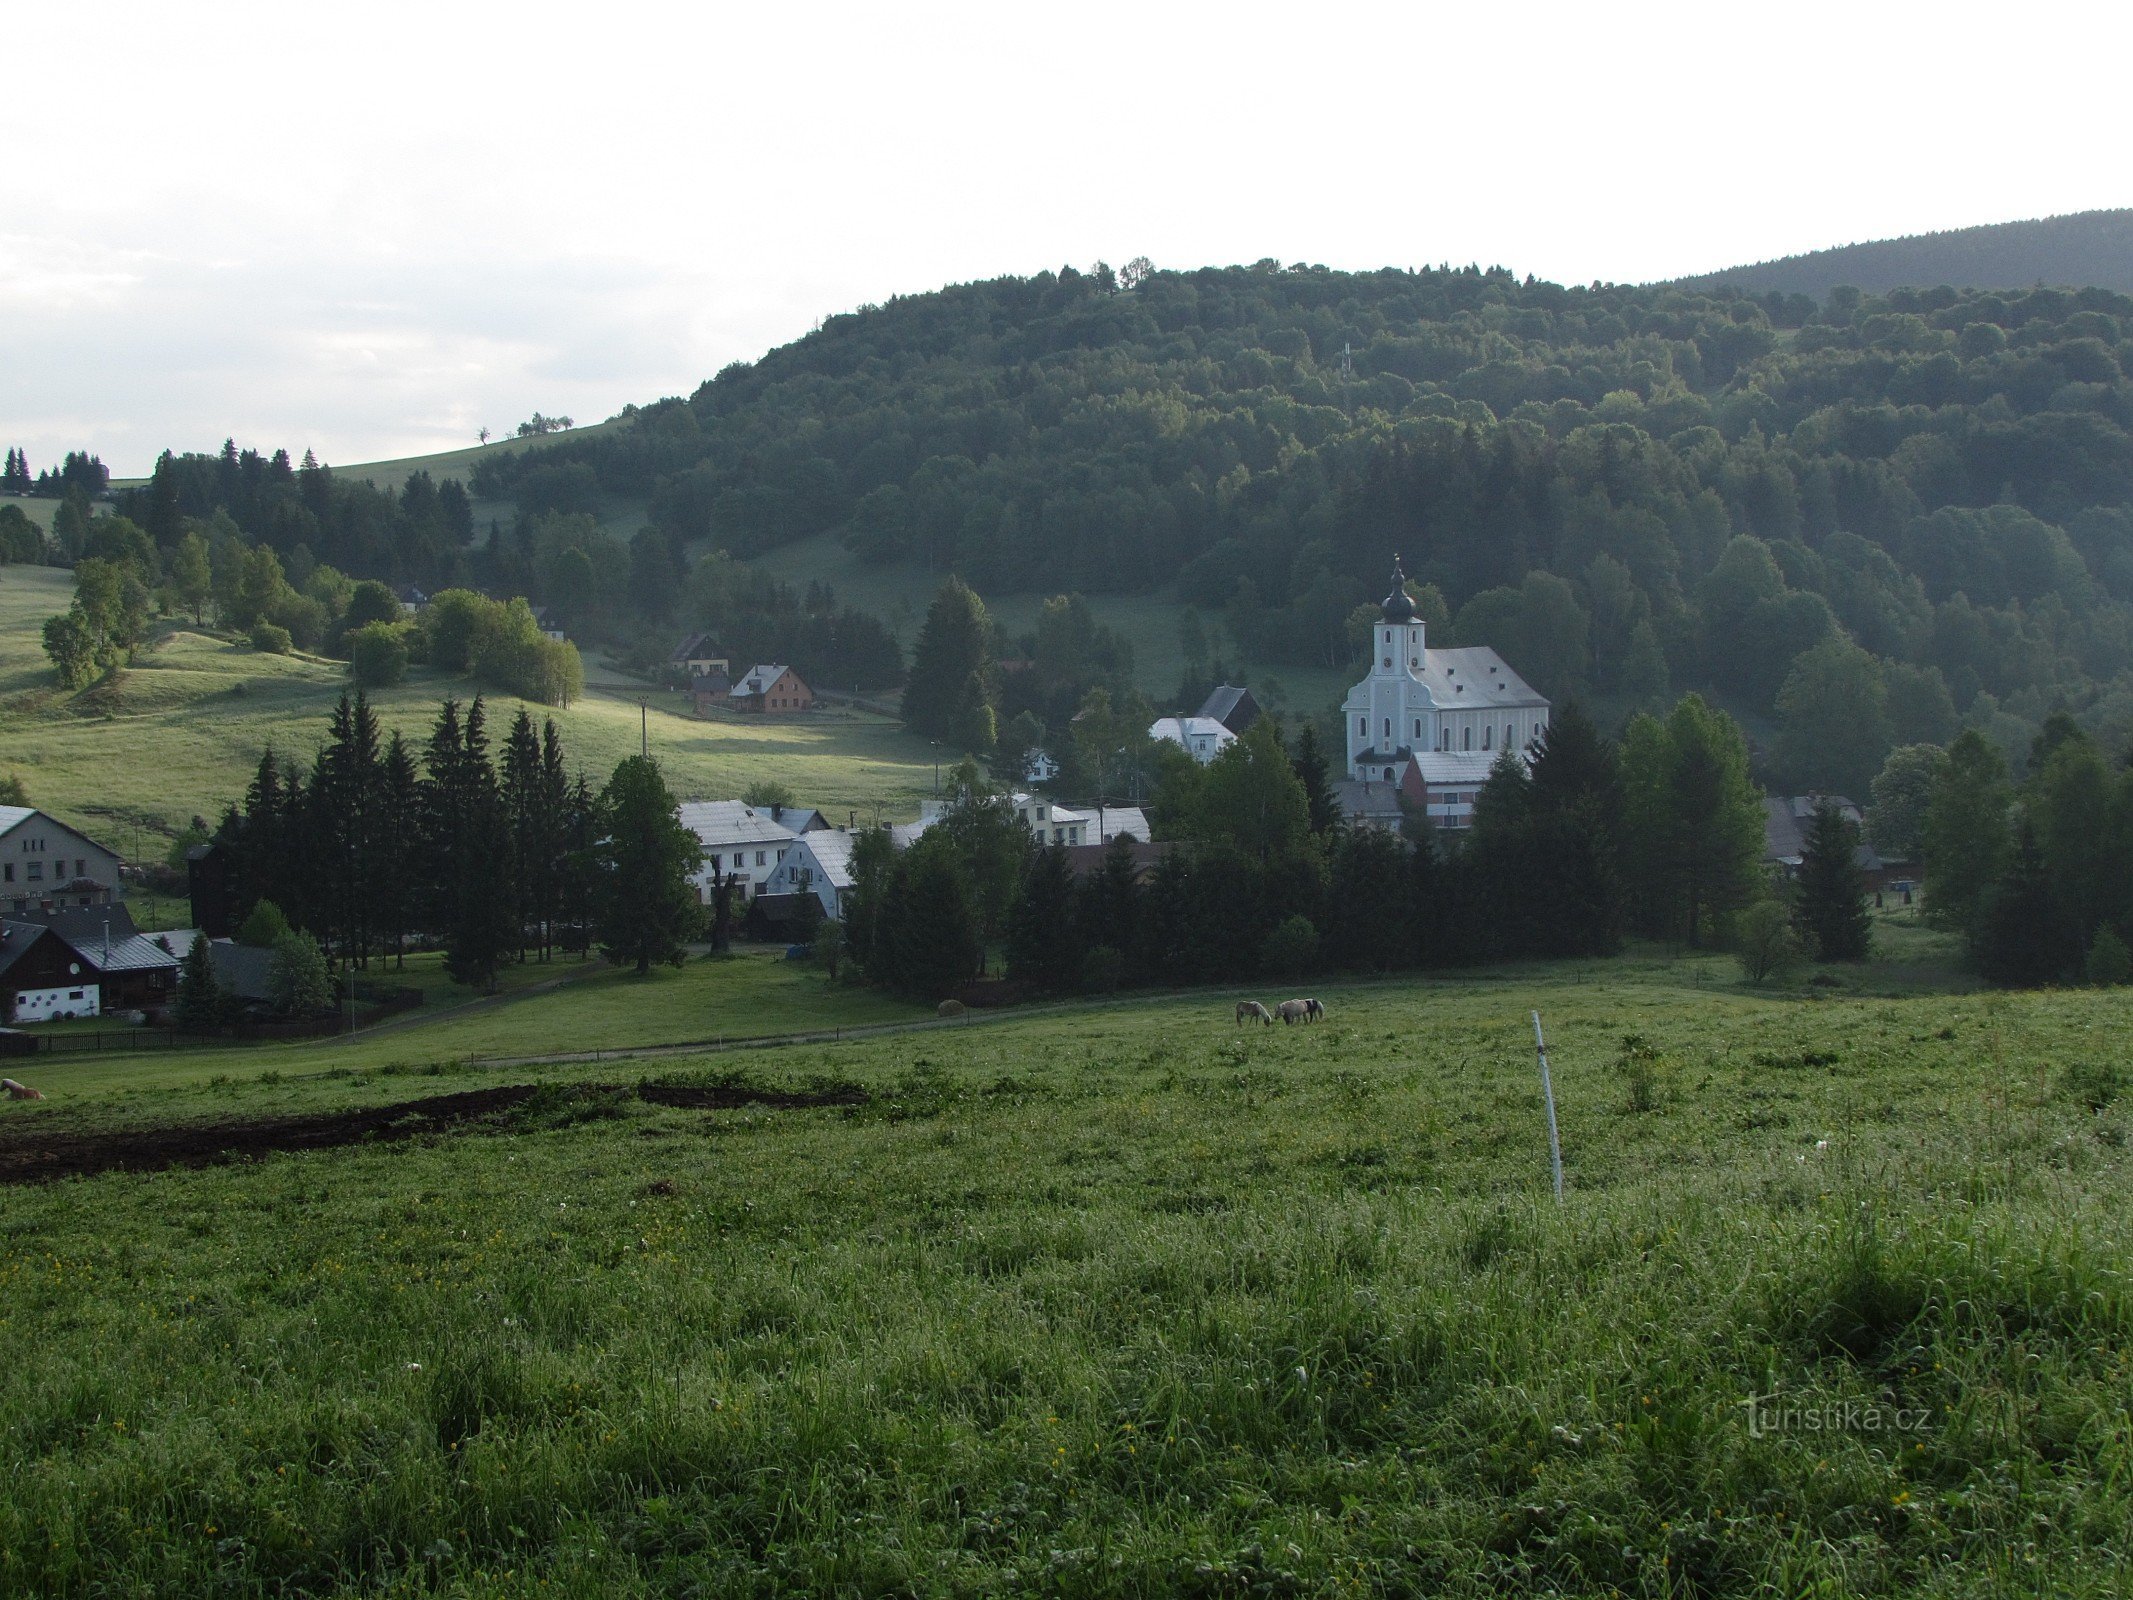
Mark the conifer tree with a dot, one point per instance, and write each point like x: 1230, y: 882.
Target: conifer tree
x: 1041, y: 947
x: 199, y: 993
x: 391, y: 884
x: 2021, y: 934
x: 1831, y: 907
x: 951, y: 665
x: 933, y: 930
x: 1966, y: 834
x: 520, y: 784
x: 644, y: 900
x: 1309, y: 760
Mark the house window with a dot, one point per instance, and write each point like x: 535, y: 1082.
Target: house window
x: 36, y: 873
x: 759, y: 858
x: 740, y: 858
x: 8, y: 876
x: 81, y: 869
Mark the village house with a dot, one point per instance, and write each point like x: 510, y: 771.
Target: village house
x: 742, y: 845
x: 1426, y: 725
x: 818, y: 864
x: 43, y: 862
x: 1786, y: 820
x: 1202, y: 738
x: 81, y: 961
x: 699, y: 657
x: 770, y: 689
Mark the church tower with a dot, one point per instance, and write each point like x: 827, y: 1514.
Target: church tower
x: 1394, y: 715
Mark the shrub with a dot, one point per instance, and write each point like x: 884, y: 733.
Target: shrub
x: 377, y: 654
x: 265, y: 927
x: 2109, y: 963
x: 1644, y: 1072
x: 1766, y: 943
x: 297, y: 980
x: 270, y: 639
x: 1291, y: 949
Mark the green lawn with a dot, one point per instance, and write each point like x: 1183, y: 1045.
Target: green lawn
x: 1124, y: 1301
x: 177, y: 733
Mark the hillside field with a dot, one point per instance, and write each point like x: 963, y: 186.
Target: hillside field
x: 178, y: 733
x: 1119, y: 1300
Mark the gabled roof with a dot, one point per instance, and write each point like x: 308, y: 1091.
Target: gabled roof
x: 1786, y: 819
x: 722, y: 824
x: 140, y: 953
x: 1128, y: 820
x: 1462, y: 680
x: 1183, y: 730
x: 83, y: 926
x: 17, y: 939
x: 13, y: 817
x: 1222, y: 703
x: 831, y: 851
x: 695, y: 646
x: 758, y: 679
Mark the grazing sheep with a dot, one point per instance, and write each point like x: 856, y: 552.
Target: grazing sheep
x: 20, y: 1091
x: 1293, y: 1010
x: 1247, y: 1009
x: 1314, y: 1011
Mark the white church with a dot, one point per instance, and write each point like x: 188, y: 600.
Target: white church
x: 1428, y: 724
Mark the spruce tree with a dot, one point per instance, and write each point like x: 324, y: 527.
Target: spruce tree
x: 1041, y: 944
x: 644, y: 901
x: 199, y: 993
x: 1831, y: 907
x: 2021, y: 933
x: 951, y: 667
x: 392, y: 885
x: 520, y: 783
x: 933, y: 933
x: 1309, y: 760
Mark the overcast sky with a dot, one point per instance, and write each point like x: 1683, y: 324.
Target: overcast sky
x: 373, y: 229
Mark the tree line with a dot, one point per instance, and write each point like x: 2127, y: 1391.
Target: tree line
x: 1658, y: 834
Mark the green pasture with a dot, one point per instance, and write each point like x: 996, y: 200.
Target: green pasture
x: 178, y: 733
x: 1120, y: 1301
x: 564, y: 1005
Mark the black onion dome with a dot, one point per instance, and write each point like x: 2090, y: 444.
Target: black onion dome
x: 1398, y: 608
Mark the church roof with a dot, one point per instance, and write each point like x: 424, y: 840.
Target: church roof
x: 1396, y: 606
x: 1465, y: 680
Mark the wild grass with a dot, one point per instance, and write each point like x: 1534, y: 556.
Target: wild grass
x: 1124, y: 1301
x: 178, y: 733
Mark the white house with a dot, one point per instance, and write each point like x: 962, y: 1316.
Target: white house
x: 820, y: 864
x: 1040, y: 767
x: 43, y: 862
x: 1429, y: 723
x: 744, y: 844
x: 1202, y: 738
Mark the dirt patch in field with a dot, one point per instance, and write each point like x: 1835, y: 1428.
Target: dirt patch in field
x: 37, y: 1154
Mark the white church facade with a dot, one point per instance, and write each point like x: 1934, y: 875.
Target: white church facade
x: 1427, y: 724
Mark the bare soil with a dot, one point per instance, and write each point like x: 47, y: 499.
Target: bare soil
x: 36, y: 1153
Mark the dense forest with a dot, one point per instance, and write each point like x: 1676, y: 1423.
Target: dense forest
x: 2084, y: 248
x: 1859, y: 522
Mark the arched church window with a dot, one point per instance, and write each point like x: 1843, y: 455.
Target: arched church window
x: 1362, y: 727
x: 1486, y: 735
x: 1469, y: 739
x: 1509, y: 733
x: 1418, y: 727
x: 1388, y: 727
x: 1388, y: 661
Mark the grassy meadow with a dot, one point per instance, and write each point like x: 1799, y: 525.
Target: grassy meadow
x: 1120, y: 1300
x: 177, y: 733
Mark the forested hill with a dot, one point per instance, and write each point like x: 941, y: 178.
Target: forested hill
x: 1915, y: 506
x: 2086, y: 248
